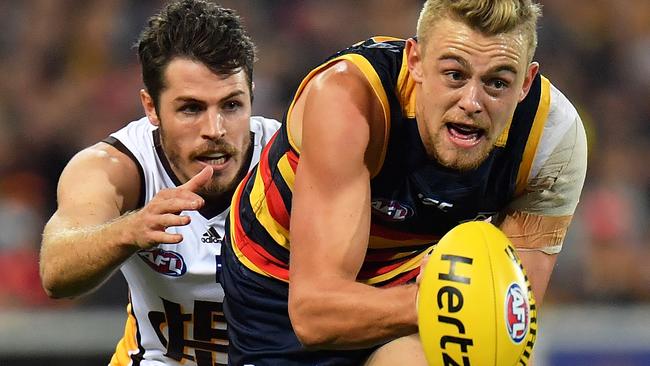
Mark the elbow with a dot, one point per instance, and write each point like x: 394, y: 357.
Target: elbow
x: 52, y: 285
x: 307, y: 325
x: 305, y: 328
x: 55, y: 291
x: 49, y: 280
x: 52, y: 293
x: 54, y: 280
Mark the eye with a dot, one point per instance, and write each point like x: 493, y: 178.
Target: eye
x: 191, y: 108
x: 454, y: 75
x: 497, y: 84
x: 232, y: 105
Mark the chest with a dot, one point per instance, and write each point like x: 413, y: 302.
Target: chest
x: 197, y: 255
x: 430, y: 200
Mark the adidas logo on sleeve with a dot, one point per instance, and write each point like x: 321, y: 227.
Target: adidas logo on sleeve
x: 211, y: 237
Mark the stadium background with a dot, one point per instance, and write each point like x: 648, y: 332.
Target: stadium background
x: 69, y: 77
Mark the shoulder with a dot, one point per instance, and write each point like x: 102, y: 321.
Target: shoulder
x: 563, y: 130
x: 102, y: 170
x: 345, y: 81
x: 354, y: 106
x: 134, y: 141
x: 341, y: 71
x: 562, y: 116
x: 262, y: 130
x: 264, y: 126
x: 559, y: 167
x: 102, y: 157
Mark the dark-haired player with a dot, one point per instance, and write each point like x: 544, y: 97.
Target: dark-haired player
x: 152, y: 198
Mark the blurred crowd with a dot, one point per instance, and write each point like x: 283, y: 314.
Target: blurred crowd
x: 70, y: 77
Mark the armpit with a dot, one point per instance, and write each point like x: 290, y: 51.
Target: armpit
x: 534, y: 232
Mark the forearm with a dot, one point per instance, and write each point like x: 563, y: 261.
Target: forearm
x: 349, y: 315
x: 76, y: 260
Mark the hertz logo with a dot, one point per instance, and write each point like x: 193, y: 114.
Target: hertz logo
x: 463, y: 291
x: 450, y: 299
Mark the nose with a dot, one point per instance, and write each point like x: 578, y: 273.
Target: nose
x: 470, y: 99
x: 215, y: 126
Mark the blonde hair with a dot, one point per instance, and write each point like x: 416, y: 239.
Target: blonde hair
x: 490, y: 17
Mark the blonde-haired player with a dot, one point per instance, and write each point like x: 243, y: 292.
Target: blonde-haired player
x: 387, y: 146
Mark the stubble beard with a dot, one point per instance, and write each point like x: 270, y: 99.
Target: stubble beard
x: 457, y: 158
x: 214, y: 190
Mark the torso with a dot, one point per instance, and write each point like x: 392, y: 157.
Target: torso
x: 414, y: 200
x: 175, y: 312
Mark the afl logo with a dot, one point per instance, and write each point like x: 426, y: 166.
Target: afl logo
x: 517, y: 313
x: 164, y: 261
x: 391, y: 210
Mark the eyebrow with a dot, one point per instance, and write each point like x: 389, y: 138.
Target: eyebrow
x: 464, y: 64
x: 508, y: 68
x: 234, y: 93
x: 450, y: 57
x: 186, y: 99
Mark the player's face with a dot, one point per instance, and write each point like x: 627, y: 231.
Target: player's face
x: 204, y: 120
x: 467, y: 88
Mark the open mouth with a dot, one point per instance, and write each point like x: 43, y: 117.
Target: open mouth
x: 214, y: 158
x: 465, y: 135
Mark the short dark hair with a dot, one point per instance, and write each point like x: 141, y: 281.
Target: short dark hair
x: 196, y: 30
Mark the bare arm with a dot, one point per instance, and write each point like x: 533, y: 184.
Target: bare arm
x: 330, y: 223
x: 525, y: 230
x: 92, y: 232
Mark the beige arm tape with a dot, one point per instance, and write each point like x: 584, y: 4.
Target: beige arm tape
x: 540, y: 217
x: 534, y: 232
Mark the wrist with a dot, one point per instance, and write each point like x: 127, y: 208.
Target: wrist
x: 122, y: 229
x: 413, y: 304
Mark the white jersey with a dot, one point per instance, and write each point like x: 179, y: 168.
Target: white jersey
x: 175, y: 314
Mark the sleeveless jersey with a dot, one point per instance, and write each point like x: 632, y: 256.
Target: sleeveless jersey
x: 175, y: 312
x: 414, y: 199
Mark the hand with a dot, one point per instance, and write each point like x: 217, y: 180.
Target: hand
x: 147, y: 226
x: 423, y: 264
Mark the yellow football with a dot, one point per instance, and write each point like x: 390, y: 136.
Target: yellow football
x: 475, y: 305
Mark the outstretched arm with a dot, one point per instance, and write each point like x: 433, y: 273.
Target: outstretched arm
x: 94, y: 231
x: 330, y: 221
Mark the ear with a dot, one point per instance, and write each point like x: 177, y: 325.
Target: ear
x: 531, y: 72
x: 414, y: 59
x: 149, y: 107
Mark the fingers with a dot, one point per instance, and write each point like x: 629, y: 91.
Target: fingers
x: 170, y: 220
x: 145, y: 229
x: 161, y: 237
x: 425, y: 260
x: 198, y: 181
x: 423, y: 265
x: 164, y: 211
x: 175, y: 202
x: 155, y: 233
x: 166, y: 238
